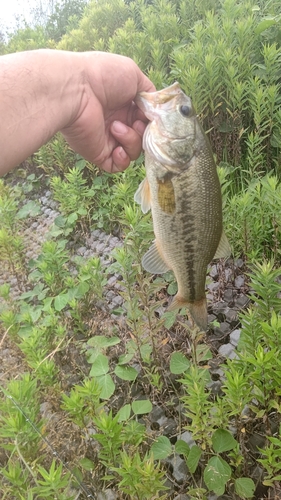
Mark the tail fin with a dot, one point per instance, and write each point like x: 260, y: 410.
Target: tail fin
x: 197, y: 309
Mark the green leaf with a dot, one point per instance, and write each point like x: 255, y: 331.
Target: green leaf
x: 126, y: 372
x: 100, y: 366
x: 107, y: 386
x: 178, y: 363
x: 60, y: 221
x: 125, y: 358
x: 244, y: 487
x: 30, y: 209
x: 87, y: 464
x: 141, y: 406
x: 124, y: 413
x: 72, y: 218
x: 264, y: 25
x: 172, y: 288
x: 223, y: 441
x: 193, y: 458
x: 145, y: 351
x: 203, y: 353
x: 216, y: 474
x: 170, y: 318
x: 182, y: 448
x: 161, y: 449
x: 61, y: 301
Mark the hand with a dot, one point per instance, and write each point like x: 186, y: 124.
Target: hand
x: 87, y: 96
x: 108, y: 126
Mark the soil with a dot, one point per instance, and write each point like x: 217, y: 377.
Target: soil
x: 227, y: 289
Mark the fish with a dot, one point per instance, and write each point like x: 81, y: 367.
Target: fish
x: 182, y: 189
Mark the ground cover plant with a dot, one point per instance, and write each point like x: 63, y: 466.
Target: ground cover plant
x: 103, y: 393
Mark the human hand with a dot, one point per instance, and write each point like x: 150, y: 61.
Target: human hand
x: 108, y: 126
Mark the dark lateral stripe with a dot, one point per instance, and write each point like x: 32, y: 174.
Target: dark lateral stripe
x: 188, y: 222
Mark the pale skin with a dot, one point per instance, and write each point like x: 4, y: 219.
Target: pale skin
x: 88, y: 96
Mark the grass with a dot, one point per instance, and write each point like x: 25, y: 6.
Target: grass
x: 100, y: 378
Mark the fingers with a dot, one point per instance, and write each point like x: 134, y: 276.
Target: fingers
x: 130, y: 140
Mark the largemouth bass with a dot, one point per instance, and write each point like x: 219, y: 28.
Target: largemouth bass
x: 183, y: 191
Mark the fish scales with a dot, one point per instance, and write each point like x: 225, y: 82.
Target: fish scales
x: 183, y: 191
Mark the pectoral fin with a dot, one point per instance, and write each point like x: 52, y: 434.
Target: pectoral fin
x: 224, y: 249
x: 143, y: 197
x: 153, y: 262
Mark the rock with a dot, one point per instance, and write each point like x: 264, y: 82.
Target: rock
x: 81, y: 250
x: 157, y: 415
x: 96, y: 233
x: 234, y: 337
x: 220, y: 307
x: 110, y: 295
x: 228, y: 274
x: 239, y: 281
x: 170, y: 428
x: 228, y: 295
x: 100, y: 247
x: 231, y: 316
x: 215, y: 387
x: 112, y: 281
x: 103, y: 236
x: 116, y: 302
x: 227, y: 351
x: 214, y: 271
x: 107, y: 495
x: 187, y: 438
x: 213, y: 286
x: 180, y: 470
x: 239, y: 263
x: 241, y: 301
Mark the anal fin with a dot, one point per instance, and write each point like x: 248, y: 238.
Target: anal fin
x: 153, y: 262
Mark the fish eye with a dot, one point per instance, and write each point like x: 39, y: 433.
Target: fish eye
x: 185, y: 110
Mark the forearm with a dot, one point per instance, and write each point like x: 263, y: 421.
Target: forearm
x: 41, y: 92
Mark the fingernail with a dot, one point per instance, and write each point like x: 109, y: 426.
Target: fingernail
x: 119, y: 127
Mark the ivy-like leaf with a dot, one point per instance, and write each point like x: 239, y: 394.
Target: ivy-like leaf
x: 107, y: 386
x: 100, y: 366
x: 124, y: 413
x: 61, y: 301
x: 193, y: 458
x: 178, y: 363
x: 223, y: 441
x: 141, y: 406
x: 182, y: 448
x: 161, y: 449
x: 216, y: 474
x: 244, y: 487
x: 126, y: 372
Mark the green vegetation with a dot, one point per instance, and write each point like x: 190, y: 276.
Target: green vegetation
x: 78, y: 413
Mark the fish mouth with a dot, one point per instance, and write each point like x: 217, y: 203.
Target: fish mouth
x: 150, y: 102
